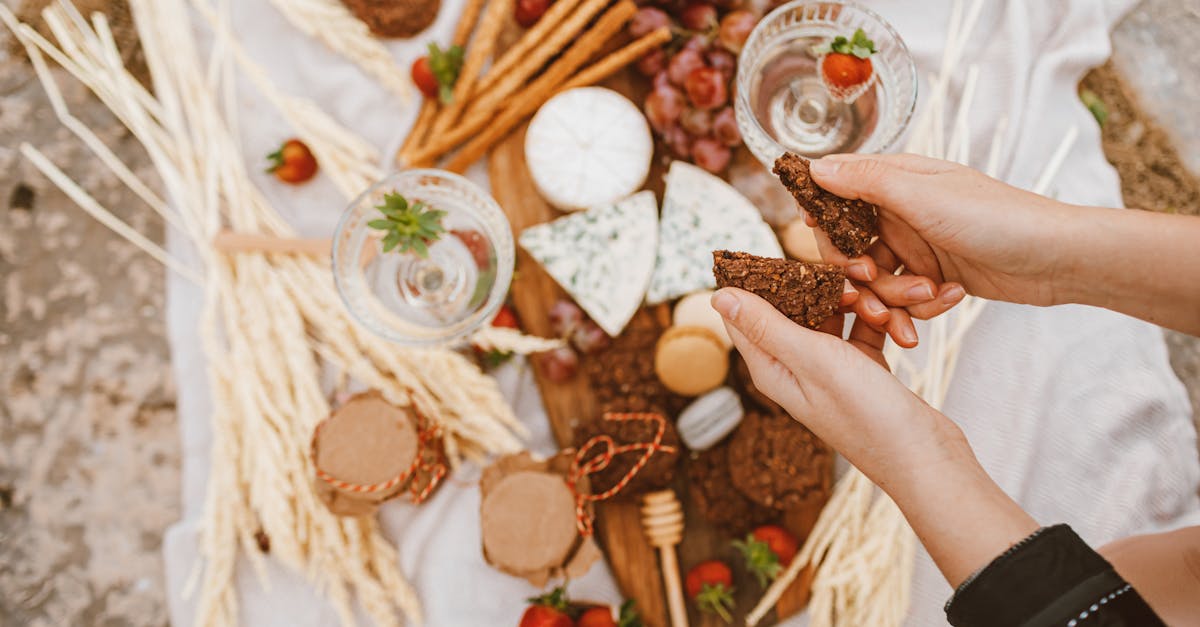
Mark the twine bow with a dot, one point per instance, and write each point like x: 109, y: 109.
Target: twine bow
x: 582, y: 467
x: 427, y: 435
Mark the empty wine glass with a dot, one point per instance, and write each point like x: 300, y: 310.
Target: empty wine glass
x: 782, y: 103
x: 428, y: 299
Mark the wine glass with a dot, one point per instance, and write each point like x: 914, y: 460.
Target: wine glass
x: 430, y: 299
x: 782, y: 104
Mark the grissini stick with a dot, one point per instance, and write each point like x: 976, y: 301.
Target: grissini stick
x: 662, y: 520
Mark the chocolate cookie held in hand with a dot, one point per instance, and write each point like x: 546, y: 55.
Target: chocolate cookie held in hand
x: 850, y: 224
x: 807, y: 293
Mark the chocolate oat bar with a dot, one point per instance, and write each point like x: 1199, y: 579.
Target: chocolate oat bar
x: 850, y: 224
x: 807, y: 293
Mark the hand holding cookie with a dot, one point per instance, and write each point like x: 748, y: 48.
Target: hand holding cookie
x: 819, y: 379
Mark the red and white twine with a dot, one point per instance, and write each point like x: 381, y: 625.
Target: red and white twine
x: 582, y: 467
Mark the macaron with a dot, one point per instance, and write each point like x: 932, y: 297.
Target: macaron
x: 800, y: 242
x: 710, y: 418
x: 695, y: 310
x: 690, y: 361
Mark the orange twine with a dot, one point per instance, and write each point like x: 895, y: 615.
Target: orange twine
x: 581, y: 468
x: 427, y: 434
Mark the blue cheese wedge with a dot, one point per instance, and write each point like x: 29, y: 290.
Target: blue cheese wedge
x: 602, y: 257
x: 702, y: 213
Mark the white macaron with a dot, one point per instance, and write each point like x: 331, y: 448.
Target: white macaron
x: 710, y: 418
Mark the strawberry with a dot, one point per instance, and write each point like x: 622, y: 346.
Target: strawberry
x: 293, y: 163
x: 767, y: 549
x: 506, y: 318
x: 528, y: 12
x: 599, y: 616
x: 710, y: 585
x: 846, y: 68
x: 436, y: 73
x: 548, y: 610
x: 476, y: 244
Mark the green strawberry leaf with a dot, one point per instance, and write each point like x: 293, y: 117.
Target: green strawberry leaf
x: 716, y: 599
x: 761, y: 561
x: 410, y: 228
x: 445, y: 66
x: 628, y: 616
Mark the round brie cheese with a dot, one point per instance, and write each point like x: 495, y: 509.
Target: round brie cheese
x: 587, y: 147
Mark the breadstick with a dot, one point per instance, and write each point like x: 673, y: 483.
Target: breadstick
x: 480, y: 50
x: 534, y: 59
x: 430, y: 107
x: 530, y: 40
x: 609, y: 65
x: 466, y: 22
x: 497, y: 129
x: 420, y: 128
x: 536, y: 93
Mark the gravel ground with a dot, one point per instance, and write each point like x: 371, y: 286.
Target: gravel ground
x: 89, y: 465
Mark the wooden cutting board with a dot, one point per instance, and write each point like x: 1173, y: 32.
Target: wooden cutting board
x: 619, y: 531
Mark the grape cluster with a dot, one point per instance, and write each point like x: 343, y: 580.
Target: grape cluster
x: 690, y: 106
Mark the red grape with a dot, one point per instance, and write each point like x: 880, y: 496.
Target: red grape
x: 711, y: 155
x: 678, y: 141
x: 699, y: 43
x: 706, y: 88
x: 528, y: 12
x: 683, y: 63
x: 735, y: 29
x: 589, y: 338
x: 565, y: 316
x: 699, y: 16
x: 559, y: 365
x: 652, y: 62
x: 661, y: 80
x: 663, y: 107
x: 697, y: 122
x: 647, y: 20
x: 724, y: 61
x: 725, y: 128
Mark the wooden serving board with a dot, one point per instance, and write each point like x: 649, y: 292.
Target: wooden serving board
x: 618, y: 523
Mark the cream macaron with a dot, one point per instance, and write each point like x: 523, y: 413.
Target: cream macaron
x: 695, y: 310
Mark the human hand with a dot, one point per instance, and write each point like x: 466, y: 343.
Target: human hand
x: 949, y: 224
x: 819, y: 379
x: 843, y: 392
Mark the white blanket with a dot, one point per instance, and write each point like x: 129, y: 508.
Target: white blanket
x: 1075, y: 411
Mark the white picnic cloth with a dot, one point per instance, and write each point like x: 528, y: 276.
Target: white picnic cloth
x: 1074, y: 411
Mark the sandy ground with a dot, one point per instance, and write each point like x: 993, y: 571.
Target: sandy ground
x: 89, y: 451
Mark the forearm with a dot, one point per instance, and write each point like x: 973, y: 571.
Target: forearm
x: 963, y: 519
x: 1165, y: 569
x: 1139, y: 263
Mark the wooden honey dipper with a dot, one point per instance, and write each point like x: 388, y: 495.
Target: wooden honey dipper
x: 662, y: 520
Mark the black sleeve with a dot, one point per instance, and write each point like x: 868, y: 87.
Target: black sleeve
x: 1050, y: 578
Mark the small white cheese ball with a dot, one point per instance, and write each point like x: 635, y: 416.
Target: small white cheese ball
x: 587, y: 147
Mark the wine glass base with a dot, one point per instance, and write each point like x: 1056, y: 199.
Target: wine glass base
x: 804, y: 119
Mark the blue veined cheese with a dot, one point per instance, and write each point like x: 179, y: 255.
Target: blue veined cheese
x: 602, y: 257
x: 702, y: 213
x: 587, y: 147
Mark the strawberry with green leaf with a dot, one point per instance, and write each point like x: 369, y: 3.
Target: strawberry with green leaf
x: 436, y: 73
x: 710, y: 585
x: 410, y: 227
x: 548, y: 610
x: 846, y: 68
x: 767, y: 549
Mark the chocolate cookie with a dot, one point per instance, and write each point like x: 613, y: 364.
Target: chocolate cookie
x: 779, y: 463
x: 711, y: 489
x: 807, y: 293
x: 655, y: 475
x: 850, y: 224
x: 622, y: 375
x: 395, y: 18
